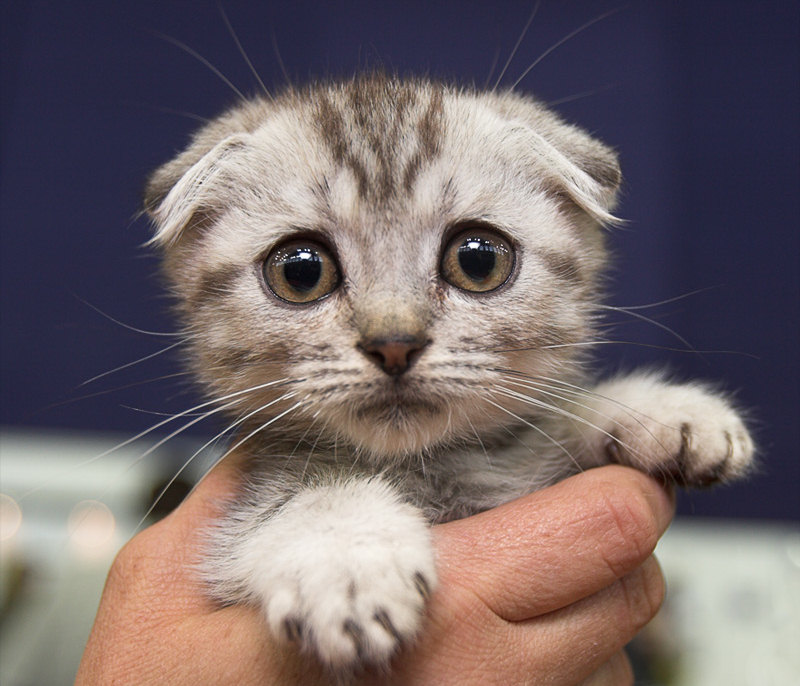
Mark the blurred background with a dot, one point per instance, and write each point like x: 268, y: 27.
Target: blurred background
x: 701, y: 100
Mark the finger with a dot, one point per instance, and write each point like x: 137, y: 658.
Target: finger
x: 159, y: 566
x: 473, y: 647
x: 616, y: 672
x: 556, y: 546
x: 595, y: 628
x: 209, y: 495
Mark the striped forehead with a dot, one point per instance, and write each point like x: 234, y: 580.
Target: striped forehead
x: 382, y: 132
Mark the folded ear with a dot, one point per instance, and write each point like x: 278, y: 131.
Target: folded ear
x: 576, y: 166
x: 583, y: 169
x: 187, y: 189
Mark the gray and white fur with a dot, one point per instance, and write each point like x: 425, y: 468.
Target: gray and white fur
x: 402, y: 388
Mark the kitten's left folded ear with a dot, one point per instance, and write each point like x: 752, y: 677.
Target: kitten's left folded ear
x: 186, y: 190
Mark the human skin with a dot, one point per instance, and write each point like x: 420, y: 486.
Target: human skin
x: 543, y: 590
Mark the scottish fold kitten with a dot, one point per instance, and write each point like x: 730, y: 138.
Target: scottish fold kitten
x: 391, y: 287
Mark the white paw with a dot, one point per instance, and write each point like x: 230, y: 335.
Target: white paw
x: 684, y: 433
x: 345, y: 572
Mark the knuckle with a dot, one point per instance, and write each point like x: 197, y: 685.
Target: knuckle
x: 136, y: 565
x: 642, y: 593
x: 630, y: 528
x: 616, y: 672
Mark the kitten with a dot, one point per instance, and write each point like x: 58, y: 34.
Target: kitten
x: 391, y: 287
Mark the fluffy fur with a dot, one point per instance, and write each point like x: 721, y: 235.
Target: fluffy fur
x: 351, y: 462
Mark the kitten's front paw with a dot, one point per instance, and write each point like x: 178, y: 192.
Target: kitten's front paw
x: 683, y: 433
x: 345, y: 572
x: 350, y: 613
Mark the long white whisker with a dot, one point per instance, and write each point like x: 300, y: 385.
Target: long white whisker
x: 550, y: 408
x: 668, y: 301
x: 585, y: 393
x: 246, y: 438
x: 242, y: 52
x: 586, y: 344
x: 263, y: 426
x: 480, y: 442
x: 169, y: 110
x: 649, y: 320
x: 516, y: 46
x: 116, y: 389
x: 201, y: 59
x: 491, y: 69
x: 157, y: 426
x: 539, y: 430
x: 131, y: 364
x: 219, y: 435
x: 569, y: 415
x: 128, y: 326
x: 313, y: 448
x: 579, y: 96
x: 558, y: 44
x: 280, y: 59
x: 541, y: 388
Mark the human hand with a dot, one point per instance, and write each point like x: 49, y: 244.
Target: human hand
x: 546, y: 589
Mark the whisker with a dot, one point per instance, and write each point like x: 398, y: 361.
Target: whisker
x: 582, y: 420
x: 480, y: 442
x: 246, y: 438
x: 301, y: 439
x: 218, y: 436
x: 280, y: 59
x: 313, y: 447
x: 267, y: 423
x: 155, y: 413
x: 550, y: 408
x: 668, y: 301
x: 583, y: 94
x: 128, y: 326
x: 636, y: 343
x: 242, y: 52
x: 157, y: 426
x: 169, y: 110
x: 579, y: 391
x: 649, y: 320
x: 131, y: 364
x: 558, y: 44
x: 491, y: 69
x: 193, y: 53
x: 116, y: 389
x: 516, y: 46
x: 537, y: 429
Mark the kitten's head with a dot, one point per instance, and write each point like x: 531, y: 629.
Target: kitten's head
x: 384, y: 256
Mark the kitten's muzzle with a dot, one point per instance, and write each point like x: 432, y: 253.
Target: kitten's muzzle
x: 394, y: 355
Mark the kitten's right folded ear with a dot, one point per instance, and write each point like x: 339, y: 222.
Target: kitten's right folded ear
x: 185, y: 191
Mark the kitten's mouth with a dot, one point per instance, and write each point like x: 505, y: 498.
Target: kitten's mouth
x: 394, y: 426
x: 397, y: 411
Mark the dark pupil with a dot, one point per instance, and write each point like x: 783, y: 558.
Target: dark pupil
x: 302, y: 269
x: 476, y: 256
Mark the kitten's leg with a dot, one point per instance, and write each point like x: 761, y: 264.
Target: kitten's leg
x: 684, y: 432
x: 343, y: 569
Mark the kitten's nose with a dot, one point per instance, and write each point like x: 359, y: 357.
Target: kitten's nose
x: 393, y: 355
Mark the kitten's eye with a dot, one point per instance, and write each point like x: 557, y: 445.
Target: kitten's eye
x: 301, y: 271
x: 477, y: 259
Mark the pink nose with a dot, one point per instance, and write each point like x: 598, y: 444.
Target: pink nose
x: 394, y: 355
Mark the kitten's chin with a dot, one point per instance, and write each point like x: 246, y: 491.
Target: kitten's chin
x: 391, y: 429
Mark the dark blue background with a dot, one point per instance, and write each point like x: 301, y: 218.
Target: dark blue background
x: 700, y: 98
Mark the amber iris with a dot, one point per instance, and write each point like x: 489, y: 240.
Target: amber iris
x: 301, y: 271
x: 477, y: 259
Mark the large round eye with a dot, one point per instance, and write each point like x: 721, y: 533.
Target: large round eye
x: 301, y: 271
x: 477, y: 259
